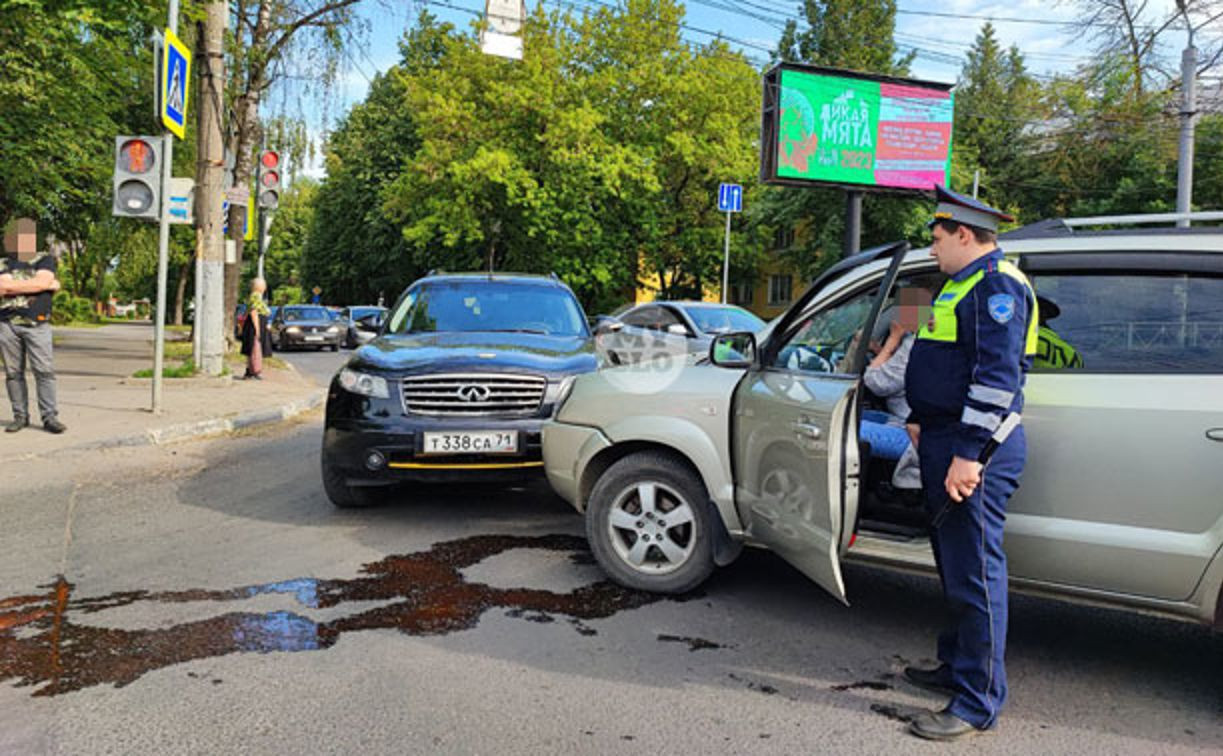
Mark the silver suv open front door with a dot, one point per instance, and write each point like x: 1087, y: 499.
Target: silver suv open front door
x: 794, y: 438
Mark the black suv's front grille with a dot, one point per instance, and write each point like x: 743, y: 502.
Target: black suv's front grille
x: 474, y: 395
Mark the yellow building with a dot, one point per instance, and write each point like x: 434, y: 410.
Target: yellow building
x: 776, y: 285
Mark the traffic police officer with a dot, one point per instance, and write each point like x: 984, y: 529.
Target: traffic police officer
x: 964, y: 384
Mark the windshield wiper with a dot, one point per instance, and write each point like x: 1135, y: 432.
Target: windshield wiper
x: 517, y: 330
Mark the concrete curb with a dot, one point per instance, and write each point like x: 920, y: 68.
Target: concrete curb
x: 201, y: 428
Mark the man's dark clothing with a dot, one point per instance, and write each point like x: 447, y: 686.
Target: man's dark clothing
x: 965, y: 376
x: 27, y: 309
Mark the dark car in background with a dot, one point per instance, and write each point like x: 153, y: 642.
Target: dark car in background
x: 361, y: 324
x: 297, y: 326
x: 676, y: 328
x: 466, y: 371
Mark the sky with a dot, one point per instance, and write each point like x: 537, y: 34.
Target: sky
x: 754, y: 26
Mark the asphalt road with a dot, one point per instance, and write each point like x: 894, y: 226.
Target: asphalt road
x: 213, y: 601
x: 319, y: 365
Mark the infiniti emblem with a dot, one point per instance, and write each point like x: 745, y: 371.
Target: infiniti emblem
x: 473, y: 393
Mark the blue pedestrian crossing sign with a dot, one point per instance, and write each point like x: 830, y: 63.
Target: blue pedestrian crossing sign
x: 730, y: 198
x: 175, y: 76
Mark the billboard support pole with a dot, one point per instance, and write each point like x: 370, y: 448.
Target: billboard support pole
x: 853, y: 223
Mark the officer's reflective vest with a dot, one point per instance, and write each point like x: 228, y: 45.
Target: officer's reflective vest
x: 945, y: 326
x: 1052, y: 352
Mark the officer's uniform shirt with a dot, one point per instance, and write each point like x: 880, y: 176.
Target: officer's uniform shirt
x: 962, y: 370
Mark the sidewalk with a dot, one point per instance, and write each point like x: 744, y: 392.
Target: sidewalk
x: 103, y: 405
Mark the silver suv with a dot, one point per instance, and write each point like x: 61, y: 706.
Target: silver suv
x: 1122, y: 498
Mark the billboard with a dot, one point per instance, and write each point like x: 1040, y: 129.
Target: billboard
x: 858, y: 131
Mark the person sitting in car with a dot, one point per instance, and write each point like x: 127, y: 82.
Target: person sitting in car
x: 885, y: 377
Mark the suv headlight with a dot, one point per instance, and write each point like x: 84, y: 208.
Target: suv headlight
x: 364, y: 384
x: 558, y: 391
x: 333, y: 329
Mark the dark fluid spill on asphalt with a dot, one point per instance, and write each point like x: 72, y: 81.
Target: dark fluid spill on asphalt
x: 44, y: 644
x: 694, y: 644
x: 867, y: 684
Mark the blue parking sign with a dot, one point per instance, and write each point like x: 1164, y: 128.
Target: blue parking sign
x: 730, y: 198
x: 175, y: 78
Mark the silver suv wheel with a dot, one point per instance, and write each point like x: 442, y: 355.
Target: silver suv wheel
x: 650, y: 523
x: 650, y: 527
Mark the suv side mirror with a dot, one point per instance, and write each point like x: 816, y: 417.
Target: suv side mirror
x: 605, y: 324
x: 734, y: 350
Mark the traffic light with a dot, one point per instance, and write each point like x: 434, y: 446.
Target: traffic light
x: 268, y: 179
x: 137, y: 179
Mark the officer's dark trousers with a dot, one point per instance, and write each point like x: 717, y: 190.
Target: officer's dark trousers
x: 968, y: 551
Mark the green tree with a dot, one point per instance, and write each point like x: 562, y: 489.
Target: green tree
x: 594, y: 157
x: 289, y: 231
x: 354, y: 249
x: 997, y: 103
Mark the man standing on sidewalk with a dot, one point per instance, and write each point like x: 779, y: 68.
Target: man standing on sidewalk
x: 27, y: 283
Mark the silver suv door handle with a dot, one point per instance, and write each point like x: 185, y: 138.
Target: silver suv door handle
x: 807, y: 431
x: 1215, y: 434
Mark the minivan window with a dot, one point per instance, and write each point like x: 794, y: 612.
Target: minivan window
x: 490, y: 306
x: 1137, y: 322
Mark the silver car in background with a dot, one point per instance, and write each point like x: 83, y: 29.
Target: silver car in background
x: 1122, y: 499
x: 675, y: 328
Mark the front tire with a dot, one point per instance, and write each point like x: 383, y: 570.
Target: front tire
x: 650, y: 524
x: 340, y: 493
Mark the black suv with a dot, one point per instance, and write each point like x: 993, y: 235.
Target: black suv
x: 465, y: 371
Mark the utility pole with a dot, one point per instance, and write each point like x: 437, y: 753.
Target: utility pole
x: 210, y: 170
x: 1184, y: 165
x: 163, y: 244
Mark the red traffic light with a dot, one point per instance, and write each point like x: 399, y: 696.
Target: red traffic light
x: 270, y: 159
x: 136, y: 156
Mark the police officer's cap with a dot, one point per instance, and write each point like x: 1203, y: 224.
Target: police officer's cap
x: 960, y: 209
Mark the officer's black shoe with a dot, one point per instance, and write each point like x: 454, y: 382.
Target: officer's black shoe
x: 54, y: 426
x: 937, y: 679
x: 16, y: 425
x: 942, y: 725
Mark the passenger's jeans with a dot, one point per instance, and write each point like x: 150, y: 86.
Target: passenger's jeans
x: 19, y: 343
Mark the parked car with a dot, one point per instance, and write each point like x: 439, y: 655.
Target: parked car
x: 675, y: 328
x: 304, y: 326
x: 360, y: 324
x: 466, y: 372
x: 1120, y: 500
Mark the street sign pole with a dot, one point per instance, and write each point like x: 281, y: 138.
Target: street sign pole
x: 726, y: 260
x: 163, y: 243
x: 730, y: 200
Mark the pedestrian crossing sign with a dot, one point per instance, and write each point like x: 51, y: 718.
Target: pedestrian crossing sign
x: 175, y: 76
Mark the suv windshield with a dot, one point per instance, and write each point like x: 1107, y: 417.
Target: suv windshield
x: 489, y: 306
x: 306, y: 313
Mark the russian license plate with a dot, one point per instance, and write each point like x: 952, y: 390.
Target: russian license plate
x: 314, y: 338
x: 471, y: 442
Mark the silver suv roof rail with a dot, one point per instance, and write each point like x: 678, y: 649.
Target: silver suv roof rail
x: 1134, y: 220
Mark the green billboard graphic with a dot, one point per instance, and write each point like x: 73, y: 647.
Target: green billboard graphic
x: 846, y: 129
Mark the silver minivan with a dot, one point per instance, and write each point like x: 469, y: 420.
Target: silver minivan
x: 677, y: 467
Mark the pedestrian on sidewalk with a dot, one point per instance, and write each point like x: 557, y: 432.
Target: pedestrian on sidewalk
x: 256, y: 341
x: 27, y: 284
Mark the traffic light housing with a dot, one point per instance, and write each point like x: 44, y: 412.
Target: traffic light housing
x: 268, y: 178
x: 137, y: 177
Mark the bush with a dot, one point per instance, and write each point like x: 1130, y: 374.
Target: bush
x: 287, y: 295
x: 66, y: 308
